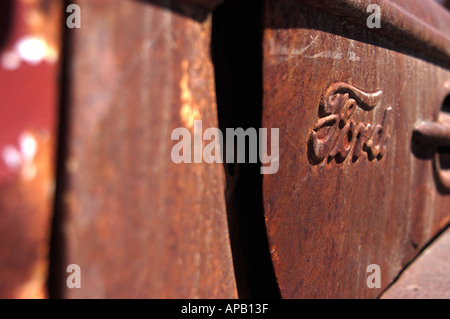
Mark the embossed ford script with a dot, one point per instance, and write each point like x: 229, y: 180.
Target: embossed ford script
x: 338, y: 133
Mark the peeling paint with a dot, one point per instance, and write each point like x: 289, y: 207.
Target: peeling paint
x: 352, y: 56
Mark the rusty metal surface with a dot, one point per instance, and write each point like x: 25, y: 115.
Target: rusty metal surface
x: 28, y: 109
x: 421, y: 25
x: 353, y: 188
x: 139, y: 225
x: 433, y: 133
x: 427, y: 276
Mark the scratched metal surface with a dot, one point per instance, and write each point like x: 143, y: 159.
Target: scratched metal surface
x: 329, y: 213
x: 139, y: 225
x: 28, y: 112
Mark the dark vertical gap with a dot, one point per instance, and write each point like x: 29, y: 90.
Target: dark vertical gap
x: 444, y: 151
x: 237, y: 57
x: 56, y: 279
x: 6, y: 21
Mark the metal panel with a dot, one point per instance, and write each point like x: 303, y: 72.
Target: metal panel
x: 136, y: 223
x: 353, y: 188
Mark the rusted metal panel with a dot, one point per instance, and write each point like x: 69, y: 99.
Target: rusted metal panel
x: 427, y: 277
x: 416, y: 24
x: 29, y: 67
x: 137, y: 224
x: 353, y: 187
